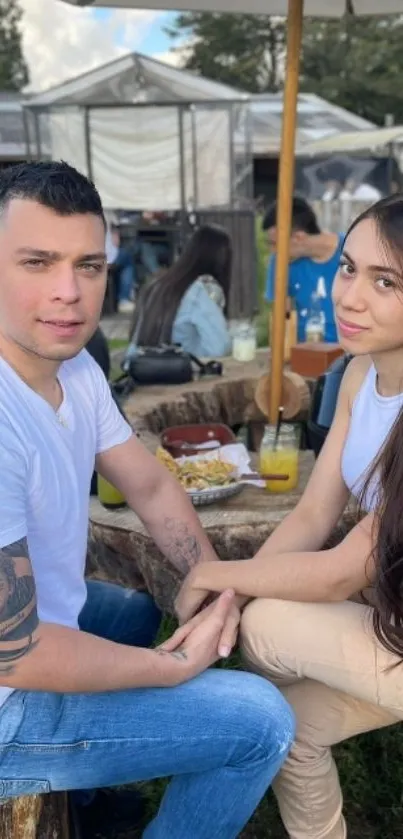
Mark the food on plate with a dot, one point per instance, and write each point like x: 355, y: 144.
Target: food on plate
x: 167, y: 460
x: 198, y: 474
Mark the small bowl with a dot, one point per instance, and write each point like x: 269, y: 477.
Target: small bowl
x: 180, y: 440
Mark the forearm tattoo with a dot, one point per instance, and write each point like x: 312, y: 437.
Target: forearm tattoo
x: 180, y: 655
x: 180, y: 545
x: 18, y: 612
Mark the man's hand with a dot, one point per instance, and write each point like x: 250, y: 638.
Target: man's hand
x: 195, y: 647
x: 227, y: 638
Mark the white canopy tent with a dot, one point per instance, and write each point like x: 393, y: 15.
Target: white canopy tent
x: 312, y: 8
x: 294, y: 10
x: 357, y: 141
x: 139, y: 126
x: 317, y: 120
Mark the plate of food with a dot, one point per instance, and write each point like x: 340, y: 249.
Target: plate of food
x: 206, y: 478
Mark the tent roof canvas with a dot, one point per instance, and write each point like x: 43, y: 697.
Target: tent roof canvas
x: 357, y: 141
x: 312, y: 8
x: 138, y: 79
x: 135, y: 79
x: 317, y: 119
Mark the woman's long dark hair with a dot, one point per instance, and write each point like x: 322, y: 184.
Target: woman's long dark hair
x: 208, y: 252
x: 385, y: 475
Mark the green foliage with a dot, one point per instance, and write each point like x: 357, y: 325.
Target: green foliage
x: 263, y: 254
x: 244, y: 51
x: 262, y: 320
x: 13, y: 69
x: 356, y: 63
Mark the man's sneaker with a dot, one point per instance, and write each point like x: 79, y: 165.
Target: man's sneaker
x: 126, y: 307
x: 110, y: 812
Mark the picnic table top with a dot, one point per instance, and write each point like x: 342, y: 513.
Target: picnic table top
x: 252, y: 506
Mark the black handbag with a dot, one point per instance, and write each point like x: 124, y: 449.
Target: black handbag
x: 165, y: 364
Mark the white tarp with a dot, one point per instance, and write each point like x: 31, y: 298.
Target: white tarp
x: 356, y: 141
x: 315, y: 8
x: 136, y: 154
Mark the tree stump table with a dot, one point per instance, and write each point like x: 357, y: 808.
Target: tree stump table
x: 35, y: 817
x: 229, y: 399
x: 121, y: 550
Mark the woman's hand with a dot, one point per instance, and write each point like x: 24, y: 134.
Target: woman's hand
x: 228, y: 636
x: 191, y: 596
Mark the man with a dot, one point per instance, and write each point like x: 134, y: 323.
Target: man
x: 122, y: 259
x: 82, y: 701
x: 123, y: 262
x: 314, y: 258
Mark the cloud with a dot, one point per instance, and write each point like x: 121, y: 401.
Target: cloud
x: 61, y: 41
x: 175, y: 58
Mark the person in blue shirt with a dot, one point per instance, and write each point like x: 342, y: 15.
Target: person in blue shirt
x: 314, y: 261
x: 187, y: 304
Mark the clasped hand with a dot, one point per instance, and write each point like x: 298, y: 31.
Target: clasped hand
x: 187, y: 605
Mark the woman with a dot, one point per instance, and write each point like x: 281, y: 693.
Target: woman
x: 338, y: 662
x: 187, y: 304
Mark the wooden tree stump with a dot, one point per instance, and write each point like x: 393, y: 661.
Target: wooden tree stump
x: 295, y: 396
x: 120, y: 549
x: 229, y: 399
x: 35, y: 817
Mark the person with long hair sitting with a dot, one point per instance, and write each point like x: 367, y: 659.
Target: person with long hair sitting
x: 326, y: 625
x: 187, y: 304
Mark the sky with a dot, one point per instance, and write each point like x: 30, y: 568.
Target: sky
x: 61, y: 41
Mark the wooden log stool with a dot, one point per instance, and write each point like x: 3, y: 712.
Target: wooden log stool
x: 36, y: 817
x: 295, y: 395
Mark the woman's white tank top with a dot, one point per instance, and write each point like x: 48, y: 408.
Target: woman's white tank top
x: 372, y: 418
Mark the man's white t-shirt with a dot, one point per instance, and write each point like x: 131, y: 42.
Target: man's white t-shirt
x: 46, y: 464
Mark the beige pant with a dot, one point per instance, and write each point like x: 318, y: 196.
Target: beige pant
x: 337, y: 677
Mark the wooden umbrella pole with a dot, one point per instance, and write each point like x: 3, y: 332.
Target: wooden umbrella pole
x: 284, y: 199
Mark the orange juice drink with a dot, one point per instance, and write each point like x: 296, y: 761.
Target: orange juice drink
x: 281, y: 462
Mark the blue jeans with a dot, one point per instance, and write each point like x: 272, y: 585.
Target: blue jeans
x: 149, y: 255
x: 124, y: 264
x: 223, y: 736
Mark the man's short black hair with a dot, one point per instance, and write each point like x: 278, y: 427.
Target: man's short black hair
x: 54, y: 184
x: 303, y: 217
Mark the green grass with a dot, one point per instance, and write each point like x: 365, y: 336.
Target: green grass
x: 117, y: 343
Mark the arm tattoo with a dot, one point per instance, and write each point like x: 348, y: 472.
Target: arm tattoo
x: 181, y: 547
x: 18, y: 613
x: 180, y: 655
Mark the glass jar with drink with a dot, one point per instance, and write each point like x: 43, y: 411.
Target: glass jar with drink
x: 244, y: 342
x: 315, y: 323
x: 279, y: 454
x: 109, y: 496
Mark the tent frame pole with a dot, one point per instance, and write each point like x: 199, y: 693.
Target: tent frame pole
x: 284, y: 201
x: 87, y: 141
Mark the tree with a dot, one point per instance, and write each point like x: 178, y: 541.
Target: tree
x: 13, y: 69
x: 245, y: 51
x: 356, y: 63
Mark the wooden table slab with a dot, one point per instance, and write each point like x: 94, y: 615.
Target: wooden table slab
x: 121, y: 550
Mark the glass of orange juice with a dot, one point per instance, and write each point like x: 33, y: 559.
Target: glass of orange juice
x: 280, y: 457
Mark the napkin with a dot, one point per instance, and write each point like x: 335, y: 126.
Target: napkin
x: 235, y: 453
